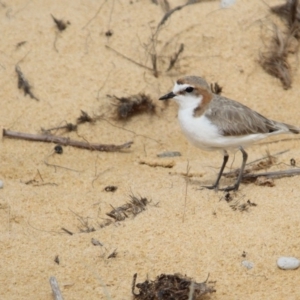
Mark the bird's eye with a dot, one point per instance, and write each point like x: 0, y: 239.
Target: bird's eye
x: 189, y: 89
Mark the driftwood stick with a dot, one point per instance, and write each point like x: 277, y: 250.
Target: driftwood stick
x: 55, y: 289
x: 64, y: 141
x: 278, y: 174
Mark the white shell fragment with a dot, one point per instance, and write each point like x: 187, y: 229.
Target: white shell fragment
x: 288, y: 263
x: 248, y: 264
x: 226, y: 3
x: 1, y: 184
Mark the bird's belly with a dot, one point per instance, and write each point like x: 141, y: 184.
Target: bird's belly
x: 204, y: 134
x: 200, y: 132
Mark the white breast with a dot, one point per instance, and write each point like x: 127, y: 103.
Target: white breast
x: 198, y: 130
x: 204, y: 134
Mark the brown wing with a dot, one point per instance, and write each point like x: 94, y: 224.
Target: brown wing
x: 237, y: 119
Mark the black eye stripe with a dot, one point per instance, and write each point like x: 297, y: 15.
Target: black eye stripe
x: 189, y: 89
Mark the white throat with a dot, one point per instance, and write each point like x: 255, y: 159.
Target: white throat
x: 186, y: 101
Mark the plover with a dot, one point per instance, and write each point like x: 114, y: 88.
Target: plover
x: 213, y: 122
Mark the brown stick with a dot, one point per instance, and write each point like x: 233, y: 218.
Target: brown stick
x: 55, y: 289
x: 64, y: 141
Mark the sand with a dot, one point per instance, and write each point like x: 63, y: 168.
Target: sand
x: 183, y: 230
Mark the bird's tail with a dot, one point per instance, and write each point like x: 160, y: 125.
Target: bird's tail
x: 292, y: 128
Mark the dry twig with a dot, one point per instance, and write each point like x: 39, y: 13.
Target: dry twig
x: 64, y: 141
x: 55, y: 289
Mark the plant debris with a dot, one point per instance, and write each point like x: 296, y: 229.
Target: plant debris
x: 84, y: 118
x: 64, y: 141
x: 68, y: 128
x: 113, y: 254
x: 264, y: 181
x: 242, y: 207
x: 167, y: 287
x: 289, y: 12
x: 56, y: 259
x: 275, y: 61
x: 20, y: 44
x: 126, y: 107
x: 133, y: 208
x: 67, y: 231
x: 24, y: 84
x: 174, y: 57
x: 257, y: 165
x: 60, y: 24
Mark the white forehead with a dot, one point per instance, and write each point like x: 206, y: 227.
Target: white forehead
x: 179, y: 87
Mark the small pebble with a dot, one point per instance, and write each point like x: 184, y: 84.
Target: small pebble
x: 288, y: 263
x: 58, y: 149
x: 110, y: 188
x: 226, y: 3
x: 1, y: 184
x: 248, y: 264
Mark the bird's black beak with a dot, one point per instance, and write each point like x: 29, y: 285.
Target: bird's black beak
x: 167, y: 96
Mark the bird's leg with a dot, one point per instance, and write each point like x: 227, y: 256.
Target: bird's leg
x: 225, y: 160
x: 235, y: 187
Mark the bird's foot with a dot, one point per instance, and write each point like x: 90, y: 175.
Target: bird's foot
x: 209, y: 187
x: 234, y: 187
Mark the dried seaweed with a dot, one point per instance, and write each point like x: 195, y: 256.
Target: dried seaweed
x: 126, y: 107
x: 175, y: 287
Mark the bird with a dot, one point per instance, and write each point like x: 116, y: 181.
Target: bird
x: 213, y: 122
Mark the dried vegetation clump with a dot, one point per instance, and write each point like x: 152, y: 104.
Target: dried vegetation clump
x: 132, y: 208
x: 275, y: 60
x: 175, y: 287
x: 126, y: 107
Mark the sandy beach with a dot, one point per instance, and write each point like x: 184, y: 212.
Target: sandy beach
x: 105, y: 52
